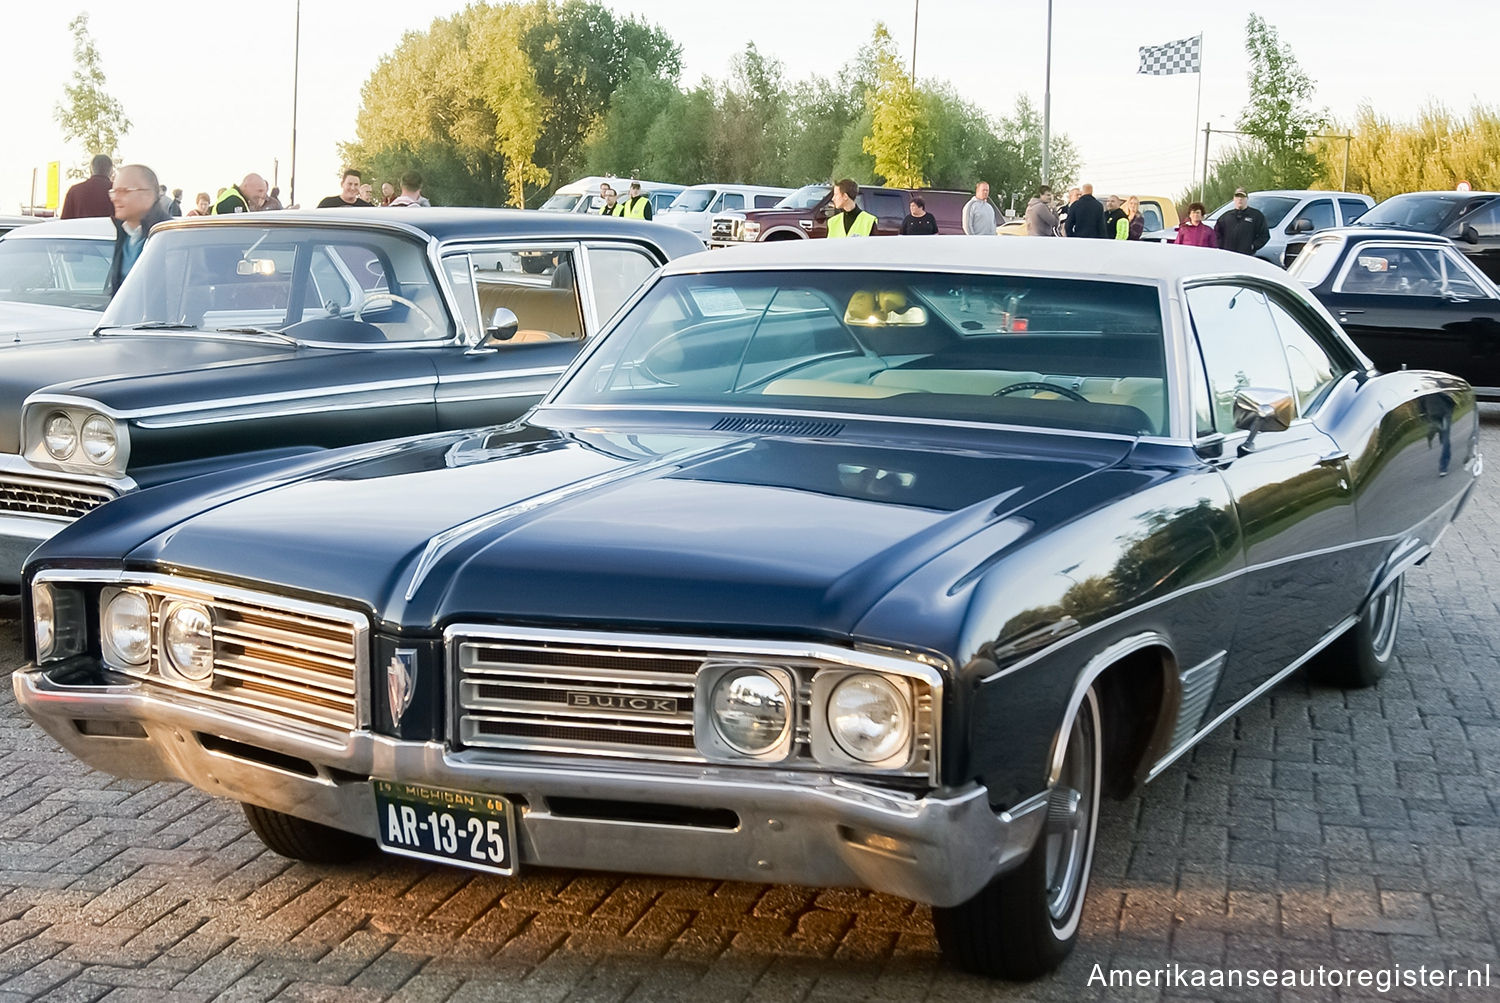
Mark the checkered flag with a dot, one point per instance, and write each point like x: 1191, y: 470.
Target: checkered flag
x: 1174, y: 57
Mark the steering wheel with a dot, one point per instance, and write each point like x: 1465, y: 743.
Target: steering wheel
x: 429, y: 326
x: 1041, y: 385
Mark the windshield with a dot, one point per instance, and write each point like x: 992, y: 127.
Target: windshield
x: 804, y: 198
x: 318, y: 284
x: 1060, y: 353
x: 1273, y: 207
x: 693, y: 200
x: 1428, y: 213
x: 561, y: 203
x: 55, y: 271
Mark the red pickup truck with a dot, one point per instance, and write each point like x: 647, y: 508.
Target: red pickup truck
x: 805, y: 212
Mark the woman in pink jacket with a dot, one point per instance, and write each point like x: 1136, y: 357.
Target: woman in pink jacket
x: 1195, y: 232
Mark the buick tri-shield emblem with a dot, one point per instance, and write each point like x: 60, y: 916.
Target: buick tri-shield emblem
x: 401, y: 681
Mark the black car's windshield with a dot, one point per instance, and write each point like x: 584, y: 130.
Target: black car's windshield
x: 315, y: 284
x: 1428, y: 213
x: 56, y: 271
x: 804, y: 198
x: 1060, y: 353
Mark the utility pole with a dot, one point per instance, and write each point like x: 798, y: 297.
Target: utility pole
x: 916, y: 11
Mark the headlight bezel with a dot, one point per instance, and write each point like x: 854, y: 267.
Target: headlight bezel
x: 712, y: 742
x: 826, y: 745
x: 37, y: 450
x: 171, y: 665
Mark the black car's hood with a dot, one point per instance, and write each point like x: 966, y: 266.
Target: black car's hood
x: 75, y: 367
x: 693, y: 529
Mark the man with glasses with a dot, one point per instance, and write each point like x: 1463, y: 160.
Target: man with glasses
x: 137, y: 210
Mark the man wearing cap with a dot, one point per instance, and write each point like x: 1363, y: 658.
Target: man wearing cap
x: 1242, y: 228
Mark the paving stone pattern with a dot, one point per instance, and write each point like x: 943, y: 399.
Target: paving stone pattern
x: 1318, y: 827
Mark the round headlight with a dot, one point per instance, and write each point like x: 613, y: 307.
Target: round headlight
x: 99, y: 439
x: 126, y: 628
x: 188, y: 638
x: 44, y: 620
x: 869, y: 718
x: 60, y: 435
x: 752, y: 711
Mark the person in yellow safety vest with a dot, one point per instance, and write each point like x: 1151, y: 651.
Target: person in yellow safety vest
x: 638, y: 206
x: 247, y: 196
x: 850, y: 220
x: 611, y: 205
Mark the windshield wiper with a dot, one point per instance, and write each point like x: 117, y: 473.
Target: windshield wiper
x: 256, y: 330
x: 150, y: 325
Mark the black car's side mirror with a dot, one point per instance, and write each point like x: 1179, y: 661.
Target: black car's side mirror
x: 1257, y: 410
x: 503, y: 325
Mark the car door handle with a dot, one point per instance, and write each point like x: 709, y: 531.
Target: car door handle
x: 1333, y: 459
x: 1345, y: 313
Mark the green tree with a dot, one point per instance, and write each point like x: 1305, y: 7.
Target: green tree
x: 87, y: 114
x: 618, y: 142
x: 900, y: 136
x: 1279, y: 115
x: 752, y: 134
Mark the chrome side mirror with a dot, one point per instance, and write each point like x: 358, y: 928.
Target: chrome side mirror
x: 503, y: 325
x: 1257, y: 410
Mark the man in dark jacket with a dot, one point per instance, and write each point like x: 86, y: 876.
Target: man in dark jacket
x: 1242, y: 228
x: 137, y: 210
x: 1086, y: 215
x: 90, y: 197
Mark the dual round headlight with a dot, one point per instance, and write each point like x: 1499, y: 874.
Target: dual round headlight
x: 869, y: 718
x: 187, y: 635
x: 62, y: 437
x: 752, y: 711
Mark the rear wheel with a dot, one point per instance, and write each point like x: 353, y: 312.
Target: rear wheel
x: 1024, y: 923
x: 300, y: 839
x: 1366, y: 651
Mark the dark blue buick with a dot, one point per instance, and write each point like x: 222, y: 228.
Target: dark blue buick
x: 869, y: 563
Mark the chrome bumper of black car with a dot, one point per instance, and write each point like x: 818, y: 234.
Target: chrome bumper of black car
x: 673, y: 819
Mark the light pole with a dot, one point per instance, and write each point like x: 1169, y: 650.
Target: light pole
x: 916, y: 11
x: 1047, y: 105
x: 291, y: 192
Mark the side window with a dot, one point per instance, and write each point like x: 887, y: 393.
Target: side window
x: 885, y: 206
x: 1352, y: 209
x: 461, y: 278
x: 1319, y: 212
x: 734, y: 200
x: 1152, y: 214
x: 1240, y: 344
x: 1377, y: 270
x: 1313, y: 369
x: 717, y: 205
x: 766, y: 201
x: 538, y: 285
x: 616, y: 273
x: 1486, y: 224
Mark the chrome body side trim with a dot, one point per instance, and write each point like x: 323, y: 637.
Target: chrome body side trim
x: 1091, y: 671
x: 1307, y: 656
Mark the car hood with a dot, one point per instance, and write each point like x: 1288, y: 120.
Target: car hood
x: 692, y: 529
x: 31, y: 323
x: 84, y: 367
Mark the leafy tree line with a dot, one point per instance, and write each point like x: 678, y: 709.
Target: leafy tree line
x: 1291, y: 144
x: 501, y: 103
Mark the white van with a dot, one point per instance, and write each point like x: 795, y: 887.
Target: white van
x: 695, y: 206
x: 583, y: 195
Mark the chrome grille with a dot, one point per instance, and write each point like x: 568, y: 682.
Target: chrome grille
x: 520, y: 695
x: 49, y: 498
x: 722, y: 229
x: 293, y: 661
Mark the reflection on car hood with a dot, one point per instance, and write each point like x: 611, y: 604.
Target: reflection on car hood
x: 31, y: 323
x: 696, y: 529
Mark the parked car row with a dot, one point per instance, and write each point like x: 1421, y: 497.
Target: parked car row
x: 1290, y: 216
x: 859, y: 563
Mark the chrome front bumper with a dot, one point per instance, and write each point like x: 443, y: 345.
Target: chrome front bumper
x: 794, y: 827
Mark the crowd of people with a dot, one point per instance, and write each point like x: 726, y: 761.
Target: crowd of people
x: 134, y: 198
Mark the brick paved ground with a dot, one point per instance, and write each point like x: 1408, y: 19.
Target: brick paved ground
x: 1319, y: 828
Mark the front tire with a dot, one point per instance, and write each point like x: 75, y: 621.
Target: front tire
x: 300, y: 839
x: 1025, y: 922
x: 1365, y: 653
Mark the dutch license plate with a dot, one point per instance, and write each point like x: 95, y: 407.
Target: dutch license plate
x: 455, y: 827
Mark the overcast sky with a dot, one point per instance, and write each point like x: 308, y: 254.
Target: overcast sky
x: 209, y: 90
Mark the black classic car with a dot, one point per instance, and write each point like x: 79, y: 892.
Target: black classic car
x: 1409, y: 300
x: 874, y: 563
x: 1470, y: 219
x: 244, y: 337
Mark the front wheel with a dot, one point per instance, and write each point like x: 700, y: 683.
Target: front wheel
x: 300, y: 839
x: 1365, y: 652
x: 1024, y: 923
